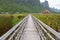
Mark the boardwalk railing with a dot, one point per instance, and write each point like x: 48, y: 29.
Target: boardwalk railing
x: 15, y: 32
x: 45, y: 31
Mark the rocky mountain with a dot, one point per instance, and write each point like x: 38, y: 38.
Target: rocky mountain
x: 33, y: 6
x: 45, y: 4
x: 29, y: 6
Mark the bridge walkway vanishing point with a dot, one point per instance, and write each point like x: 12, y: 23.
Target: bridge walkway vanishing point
x: 30, y: 31
x: 31, y: 28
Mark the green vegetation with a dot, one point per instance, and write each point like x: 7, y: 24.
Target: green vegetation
x: 18, y: 17
x: 7, y: 21
x: 13, y: 6
x: 53, y: 20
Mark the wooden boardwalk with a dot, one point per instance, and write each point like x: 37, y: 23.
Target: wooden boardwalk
x: 30, y: 31
x: 31, y: 28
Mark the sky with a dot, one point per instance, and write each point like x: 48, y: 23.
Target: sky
x: 53, y: 3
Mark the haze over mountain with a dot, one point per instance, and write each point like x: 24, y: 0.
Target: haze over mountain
x: 45, y: 4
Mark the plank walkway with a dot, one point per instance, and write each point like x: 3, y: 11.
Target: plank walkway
x: 31, y: 28
x: 30, y: 32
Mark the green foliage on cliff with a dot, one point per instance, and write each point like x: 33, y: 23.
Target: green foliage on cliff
x: 30, y: 6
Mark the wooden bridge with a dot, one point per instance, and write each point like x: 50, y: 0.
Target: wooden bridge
x: 31, y: 28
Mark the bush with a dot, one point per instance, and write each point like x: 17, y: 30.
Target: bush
x: 20, y: 17
x: 46, y: 11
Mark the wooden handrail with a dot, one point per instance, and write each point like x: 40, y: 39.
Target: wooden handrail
x: 3, y: 37
x: 57, y: 35
x: 38, y: 22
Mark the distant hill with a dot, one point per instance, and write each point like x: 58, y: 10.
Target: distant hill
x: 29, y: 6
x: 33, y: 6
x: 56, y: 10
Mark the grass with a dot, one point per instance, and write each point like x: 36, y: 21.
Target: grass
x: 18, y: 17
x: 7, y: 21
x: 53, y: 20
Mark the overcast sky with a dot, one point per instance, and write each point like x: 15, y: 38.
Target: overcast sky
x: 53, y: 3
